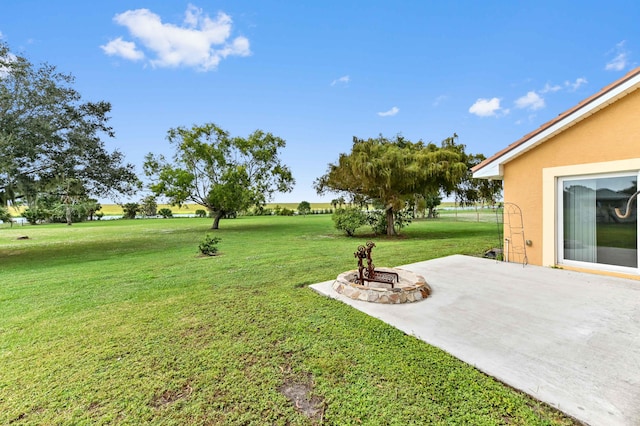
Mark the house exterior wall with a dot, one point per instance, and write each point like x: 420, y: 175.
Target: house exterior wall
x: 607, y: 141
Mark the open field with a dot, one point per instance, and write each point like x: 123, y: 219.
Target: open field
x: 122, y: 322
x: 116, y: 210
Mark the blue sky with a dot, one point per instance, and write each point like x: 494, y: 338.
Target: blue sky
x: 319, y: 73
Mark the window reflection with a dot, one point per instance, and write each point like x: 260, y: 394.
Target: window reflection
x: 592, y: 230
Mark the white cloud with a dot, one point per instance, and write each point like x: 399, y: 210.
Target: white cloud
x: 440, y: 99
x: 548, y: 88
x: 576, y: 84
x: 531, y: 101
x: 486, y: 107
x: 393, y: 111
x: 343, y: 80
x: 200, y: 42
x: 8, y: 59
x: 621, y: 58
x: 125, y: 49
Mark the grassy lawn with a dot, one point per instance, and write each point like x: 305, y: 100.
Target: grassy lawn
x: 122, y: 322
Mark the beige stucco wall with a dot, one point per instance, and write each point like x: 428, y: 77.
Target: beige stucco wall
x: 595, y: 145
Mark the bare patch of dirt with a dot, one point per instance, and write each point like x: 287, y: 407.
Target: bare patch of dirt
x: 208, y: 256
x: 300, y: 394
x: 170, y: 396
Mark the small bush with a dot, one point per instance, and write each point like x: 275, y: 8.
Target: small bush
x: 201, y: 213
x: 208, y: 246
x: 348, y: 220
x: 33, y: 216
x: 4, y: 215
x: 165, y: 212
x: 130, y: 210
x: 378, y: 221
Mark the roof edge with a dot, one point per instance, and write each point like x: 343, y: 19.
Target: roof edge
x: 563, y: 120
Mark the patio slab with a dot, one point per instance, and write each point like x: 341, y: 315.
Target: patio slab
x: 567, y: 338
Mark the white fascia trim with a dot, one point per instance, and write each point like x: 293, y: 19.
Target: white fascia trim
x: 493, y: 170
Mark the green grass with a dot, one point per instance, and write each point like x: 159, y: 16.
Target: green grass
x: 122, y: 322
x: 621, y: 235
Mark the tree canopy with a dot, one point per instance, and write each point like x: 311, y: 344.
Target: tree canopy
x: 51, y: 140
x: 392, y: 172
x: 222, y: 173
x: 304, y: 208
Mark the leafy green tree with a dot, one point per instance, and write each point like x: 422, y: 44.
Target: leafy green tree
x: 224, y: 174
x: 5, y: 216
x: 130, y: 210
x: 304, y: 208
x: 93, y: 207
x: 149, y: 206
x: 165, y: 212
x: 50, y: 137
x: 431, y: 202
x: 349, y: 219
x: 392, y: 171
x: 470, y: 191
x: 33, y: 215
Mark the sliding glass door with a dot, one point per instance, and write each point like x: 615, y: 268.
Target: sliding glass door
x: 590, y: 231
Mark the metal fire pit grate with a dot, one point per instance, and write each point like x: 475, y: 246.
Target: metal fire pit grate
x: 369, y: 274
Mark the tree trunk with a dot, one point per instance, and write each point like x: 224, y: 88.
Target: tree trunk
x: 68, y: 214
x: 391, y: 231
x: 216, y: 219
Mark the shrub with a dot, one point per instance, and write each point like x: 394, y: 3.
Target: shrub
x: 4, y: 215
x: 149, y: 206
x: 165, y: 212
x: 34, y: 216
x: 348, y: 220
x: 57, y: 213
x: 402, y: 218
x: 130, y: 210
x: 209, y: 246
x: 201, y: 213
x: 286, y: 212
x: 378, y: 221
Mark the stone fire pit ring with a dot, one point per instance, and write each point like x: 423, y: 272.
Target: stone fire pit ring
x: 410, y: 288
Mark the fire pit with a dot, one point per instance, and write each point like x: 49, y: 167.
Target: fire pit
x: 380, y: 285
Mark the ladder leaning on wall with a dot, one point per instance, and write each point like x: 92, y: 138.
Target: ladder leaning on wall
x: 515, y: 247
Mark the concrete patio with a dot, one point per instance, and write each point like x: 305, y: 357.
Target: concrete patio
x: 567, y: 338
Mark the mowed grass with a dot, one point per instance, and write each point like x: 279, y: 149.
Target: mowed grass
x: 122, y: 322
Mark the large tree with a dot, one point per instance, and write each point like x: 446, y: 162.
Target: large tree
x: 222, y: 173
x: 51, y: 140
x: 392, y: 171
x: 469, y: 191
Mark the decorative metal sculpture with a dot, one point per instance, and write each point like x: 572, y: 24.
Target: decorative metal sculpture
x: 628, y: 211
x: 369, y: 273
